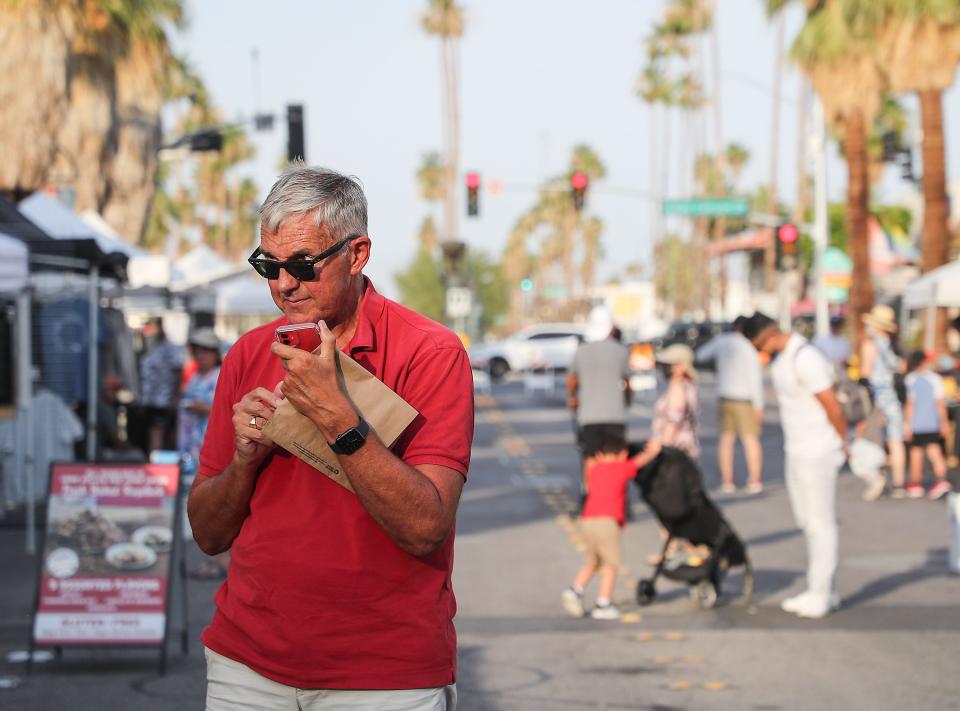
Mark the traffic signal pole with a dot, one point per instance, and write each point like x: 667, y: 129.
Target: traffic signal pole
x: 820, y: 225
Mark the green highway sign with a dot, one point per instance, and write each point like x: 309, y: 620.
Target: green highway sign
x: 707, y: 207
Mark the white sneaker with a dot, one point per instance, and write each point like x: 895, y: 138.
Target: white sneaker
x: 573, y: 602
x: 792, y: 604
x: 728, y: 489
x: 800, y: 602
x: 813, y: 607
x: 755, y: 488
x: 605, y: 612
x: 875, y: 488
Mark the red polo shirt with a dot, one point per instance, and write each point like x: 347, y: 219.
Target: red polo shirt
x: 318, y: 596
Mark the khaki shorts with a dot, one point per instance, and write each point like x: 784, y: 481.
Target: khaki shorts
x: 232, y: 685
x: 739, y: 417
x: 603, y: 541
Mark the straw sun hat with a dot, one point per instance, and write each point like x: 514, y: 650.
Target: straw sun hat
x: 679, y: 354
x: 881, y: 317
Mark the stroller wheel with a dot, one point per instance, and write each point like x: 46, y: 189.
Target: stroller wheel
x: 703, y: 595
x: 645, y: 592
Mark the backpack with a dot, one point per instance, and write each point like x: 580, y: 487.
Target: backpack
x: 853, y: 396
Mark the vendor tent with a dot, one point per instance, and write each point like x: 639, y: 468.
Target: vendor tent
x: 14, y: 264
x: 938, y: 287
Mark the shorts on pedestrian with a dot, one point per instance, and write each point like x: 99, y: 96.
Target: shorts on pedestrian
x: 232, y: 685
x: 885, y: 400
x: 594, y: 437
x: 602, y: 535
x: 922, y: 440
x: 739, y: 417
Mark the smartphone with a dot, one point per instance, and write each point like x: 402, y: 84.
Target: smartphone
x: 305, y: 336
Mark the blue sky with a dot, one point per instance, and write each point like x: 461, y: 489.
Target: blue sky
x: 538, y: 77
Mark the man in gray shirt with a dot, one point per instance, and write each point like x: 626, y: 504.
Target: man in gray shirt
x: 598, y: 388
x: 740, y: 393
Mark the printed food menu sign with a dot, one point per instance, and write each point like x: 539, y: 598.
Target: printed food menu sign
x: 106, y: 561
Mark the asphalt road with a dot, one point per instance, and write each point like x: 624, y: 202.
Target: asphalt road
x: 893, y: 645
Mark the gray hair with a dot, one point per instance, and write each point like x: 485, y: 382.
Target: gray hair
x: 337, y: 201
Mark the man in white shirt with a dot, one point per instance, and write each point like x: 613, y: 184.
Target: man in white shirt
x: 740, y: 392
x: 815, y: 435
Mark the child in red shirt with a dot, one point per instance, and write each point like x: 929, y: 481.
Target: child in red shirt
x: 607, y: 476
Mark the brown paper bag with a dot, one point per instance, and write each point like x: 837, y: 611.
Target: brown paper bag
x: 387, y: 413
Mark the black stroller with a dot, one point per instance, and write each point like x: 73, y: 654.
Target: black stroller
x: 672, y: 487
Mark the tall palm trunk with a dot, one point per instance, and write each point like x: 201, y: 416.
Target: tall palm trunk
x: 858, y: 198
x: 769, y: 253
x: 936, y: 235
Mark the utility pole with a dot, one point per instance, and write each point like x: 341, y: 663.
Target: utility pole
x: 820, y: 228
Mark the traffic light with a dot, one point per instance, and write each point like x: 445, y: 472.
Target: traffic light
x: 295, y: 144
x: 207, y: 139
x: 578, y: 187
x: 526, y: 284
x: 787, y: 247
x: 473, y: 193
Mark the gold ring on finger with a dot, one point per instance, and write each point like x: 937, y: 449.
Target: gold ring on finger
x: 253, y: 422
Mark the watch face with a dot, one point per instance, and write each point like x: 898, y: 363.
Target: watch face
x: 350, y: 441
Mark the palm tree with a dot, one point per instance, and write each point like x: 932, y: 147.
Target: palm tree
x: 551, y: 237
x: 87, y: 113
x: 850, y: 84
x: 918, y: 47
x: 444, y: 19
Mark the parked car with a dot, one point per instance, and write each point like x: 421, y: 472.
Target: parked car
x: 548, y: 346
x: 691, y: 333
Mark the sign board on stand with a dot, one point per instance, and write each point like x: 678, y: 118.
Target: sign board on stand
x: 106, y: 566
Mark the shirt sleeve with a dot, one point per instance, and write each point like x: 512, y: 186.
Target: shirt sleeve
x: 814, y: 370
x: 218, y: 443
x: 440, y: 386
x: 708, y: 351
x: 939, y: 391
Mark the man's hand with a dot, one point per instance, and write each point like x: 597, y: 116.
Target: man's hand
x: 249, y: 416
x: 312, y: 385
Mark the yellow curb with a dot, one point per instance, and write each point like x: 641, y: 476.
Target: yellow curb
x: 715, y: 685
x: 681, y: 685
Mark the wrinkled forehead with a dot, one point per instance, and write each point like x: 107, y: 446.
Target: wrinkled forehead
x: 297, y: 235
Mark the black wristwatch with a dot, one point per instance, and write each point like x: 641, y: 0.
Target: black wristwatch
x: 353, y: 439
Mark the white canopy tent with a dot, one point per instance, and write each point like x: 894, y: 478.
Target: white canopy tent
x: 937, y: 288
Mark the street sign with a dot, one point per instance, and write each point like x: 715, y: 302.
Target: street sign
x: 459, y: 302
x: 707, y: 207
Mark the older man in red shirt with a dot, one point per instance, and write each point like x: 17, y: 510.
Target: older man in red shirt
x: 333, y: 599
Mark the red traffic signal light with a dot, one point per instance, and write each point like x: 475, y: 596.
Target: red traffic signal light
x: 787, y: 233
x: 578, y: 184
x: 473, y: 193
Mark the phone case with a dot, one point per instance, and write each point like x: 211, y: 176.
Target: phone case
x: 305, y: 336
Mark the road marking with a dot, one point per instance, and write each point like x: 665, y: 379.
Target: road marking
x: 674, y: 636
x: 631, y: 617
x: 714, y: 685
x: 682, y: 685
x: 645, y: 637
x: 693, y: 658
x: 663, y: 659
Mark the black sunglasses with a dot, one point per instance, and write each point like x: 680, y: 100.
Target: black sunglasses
x: 299, y: 269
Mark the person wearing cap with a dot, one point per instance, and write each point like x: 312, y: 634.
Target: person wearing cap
x: 815, y: 435
x: 676, y: 413
x: 194, y: 412
x: 879, y: 366
x: 835, y: 345
x: 598, y: 385
x: 197, y: 398
x: 740, y: 400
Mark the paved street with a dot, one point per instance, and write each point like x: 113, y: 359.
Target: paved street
x: 892, y: 646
